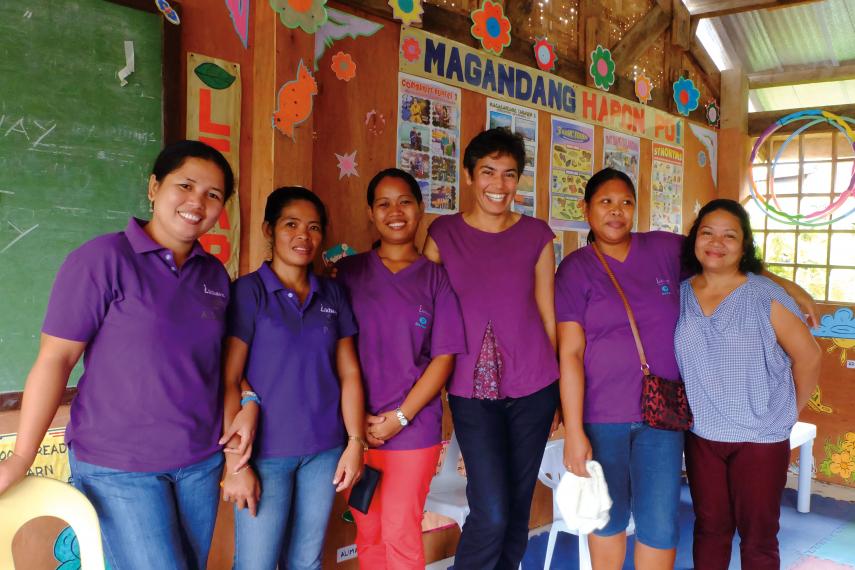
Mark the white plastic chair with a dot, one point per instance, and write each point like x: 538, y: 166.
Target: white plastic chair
x: 447, y: 496
x: 802, y: 436
x: 41, y: 497
x: 551, y: 470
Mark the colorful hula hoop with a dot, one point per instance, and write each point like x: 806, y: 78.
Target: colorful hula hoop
x: 770, y: 206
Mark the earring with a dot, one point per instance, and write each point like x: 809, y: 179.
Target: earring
x: 151, y: 206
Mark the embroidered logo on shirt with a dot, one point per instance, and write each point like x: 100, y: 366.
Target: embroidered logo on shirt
x: 212, y: 292
x: 329, y: 310
x: 664, y: 286
x: 424, y: 318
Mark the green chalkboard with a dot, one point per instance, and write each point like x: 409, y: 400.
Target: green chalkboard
x: 75, y: 147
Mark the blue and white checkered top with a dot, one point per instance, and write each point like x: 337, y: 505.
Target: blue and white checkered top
x: 739, y: 380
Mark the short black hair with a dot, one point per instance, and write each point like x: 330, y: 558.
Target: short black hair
x: 600, y: 178
x: 282, y: 197
x: 412, y: 184
x: 175, y: 154
x: 749, y: 262
x: 494, y: 141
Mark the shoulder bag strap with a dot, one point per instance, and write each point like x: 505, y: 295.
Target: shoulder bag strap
x: 644, y: 367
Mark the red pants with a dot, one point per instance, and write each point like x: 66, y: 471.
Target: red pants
x: 390, y: 535
x: 736, y: 486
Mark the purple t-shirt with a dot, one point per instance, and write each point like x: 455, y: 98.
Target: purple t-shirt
x: 292, y: 360
x: 493, y: 276
x: 149, y: 398
x: 405, y: 320
x: 650, y: 279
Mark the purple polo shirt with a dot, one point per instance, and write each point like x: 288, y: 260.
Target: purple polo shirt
x: 405, y: 320
x: 292, y: 360
x: 650, y: 279
x: 493, y: 276
x: 149, y: 398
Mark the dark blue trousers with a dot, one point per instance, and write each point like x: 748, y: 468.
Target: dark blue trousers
x: 502, y: 443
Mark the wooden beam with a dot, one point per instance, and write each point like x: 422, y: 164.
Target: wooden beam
x: 682, y: 30
x: 640, y: 37
x: 732, y: 137
x: 758, y: 122
x: 712, y: 75
x: 718, y: 8
x: 802, y: 74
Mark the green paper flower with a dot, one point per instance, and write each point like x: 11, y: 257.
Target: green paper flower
x: 308, y: 15
x: 602, y: 68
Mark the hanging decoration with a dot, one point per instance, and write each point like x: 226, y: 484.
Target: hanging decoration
x: 168, y: 12
x: 544, y: 54
x: 408, y: 11
x: 343, y: 66
x: 712, y: 113
x: 346, y: 164
x: 239, y: 12
x: 602, y: 68
x: 375, y: 123
x: 411, y: 49
x: 643, y: 89
x: 686, y: 96
x: 768, y: 201
x: 341, y: 25
x: 491, y: 27
x: 308, y: 15
x: 295, y: 101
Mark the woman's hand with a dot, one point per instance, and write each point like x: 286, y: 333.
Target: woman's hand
x: 12, y: 470
x: 384, y: 426
x: 349, y: 468
x: 243, y: 426
x: 242, y: 488
x: 372, y: 441
x: 577, y: 450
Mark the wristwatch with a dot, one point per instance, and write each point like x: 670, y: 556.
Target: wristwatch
x: 401, y: 417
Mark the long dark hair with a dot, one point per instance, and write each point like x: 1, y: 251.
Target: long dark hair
x: 282, y: 197
x: 749, y: 262
x: 600, y: 178
x: 174, y: 155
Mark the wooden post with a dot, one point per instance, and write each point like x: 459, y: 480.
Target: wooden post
x: 733, y: 139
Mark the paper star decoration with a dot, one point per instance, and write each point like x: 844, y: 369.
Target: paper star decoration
x: 697, y: 207
x: 346, y: 165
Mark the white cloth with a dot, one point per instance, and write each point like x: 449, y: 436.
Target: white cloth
x: 584, y: 502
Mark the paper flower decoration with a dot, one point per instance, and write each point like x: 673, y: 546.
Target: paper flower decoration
x: 168, y: 12
x: 343, y: 66
x: 643, y: 89
x: 408, y: 11
x: 491, y: 27
x: 411, y: 49
x: 686, y: 96
x: 375, y: 122
x: 602, y: 68
x: 544, y: 54
x: 308, y: 15
x: 713, y: 113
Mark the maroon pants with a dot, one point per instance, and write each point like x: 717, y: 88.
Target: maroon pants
x: 736, y: 486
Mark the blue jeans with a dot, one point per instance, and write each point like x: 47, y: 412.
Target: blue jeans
x: 643, y: 468
x: 153, y: 520
x: 289, y: 528
x: 502, y: 442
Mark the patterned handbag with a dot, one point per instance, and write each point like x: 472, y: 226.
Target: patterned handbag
x: 663, y: 402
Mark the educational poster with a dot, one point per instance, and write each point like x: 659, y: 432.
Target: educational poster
x: 571, y: 164
x: 666, y: 189
x: 558, y: 247
x: 51, y: 459
x: 522, y: 121
x: 622, y: 152
x: 213, y: 117
x: 428, y: 143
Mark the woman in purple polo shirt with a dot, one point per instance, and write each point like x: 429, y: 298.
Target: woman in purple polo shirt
x: 601, y: 376
x: 503, y: 393
x: 146, y: 308
x: 290, y: 339
x: 409, y: 331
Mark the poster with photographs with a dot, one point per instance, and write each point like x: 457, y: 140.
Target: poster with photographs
x: 522, y: 121
x: 622, y: 152
x: 428, y: 143
x: 571, y: 164
x: 666, y: 189
x: 558, y: 248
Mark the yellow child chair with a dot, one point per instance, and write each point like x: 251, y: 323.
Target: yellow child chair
x: 40, y: 497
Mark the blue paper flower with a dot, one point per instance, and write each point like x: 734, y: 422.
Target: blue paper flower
x: 686, y: 96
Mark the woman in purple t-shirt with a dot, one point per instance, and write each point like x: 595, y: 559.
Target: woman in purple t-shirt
x: 409, y: 332
x: 503, y: 393
x: 147, y: 307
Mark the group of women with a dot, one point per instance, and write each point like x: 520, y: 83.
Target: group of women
x: 321, y: 376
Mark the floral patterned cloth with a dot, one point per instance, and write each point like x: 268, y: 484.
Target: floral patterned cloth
x: 488, y: 367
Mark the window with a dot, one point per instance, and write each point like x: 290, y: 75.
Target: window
x: 809, y: 173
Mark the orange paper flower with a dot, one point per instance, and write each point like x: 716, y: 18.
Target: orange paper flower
x: 343, y: 66
x: 491, y: 27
